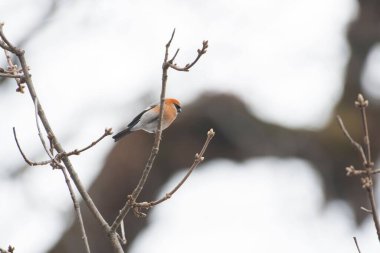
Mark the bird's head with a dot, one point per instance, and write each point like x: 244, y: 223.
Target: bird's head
x: 175, y: 102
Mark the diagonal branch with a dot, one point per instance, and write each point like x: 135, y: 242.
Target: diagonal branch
x: 107, y: 131
x: 197, y: 160
x: 57, y: 163
x: 357, y: 244
x: 77, y: 209
x: 353, y: 142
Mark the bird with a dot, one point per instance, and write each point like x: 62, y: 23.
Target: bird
x: 147, y: 120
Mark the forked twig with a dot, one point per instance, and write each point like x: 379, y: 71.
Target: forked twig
x: 188, y: 66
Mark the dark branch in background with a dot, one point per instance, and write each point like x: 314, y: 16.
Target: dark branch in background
x: 197, y: 160
x: 165, y: 67
x: 367, y: 172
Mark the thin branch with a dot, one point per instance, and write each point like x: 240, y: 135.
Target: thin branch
x: 86, y: 197
x: 13, y: 69
x: 123, y: 238
x: 58, y: 147
x: 363, y: 104
x: 124, y: 211
x: 190, y: 65
x: 54, y: 160
x: 366, y: 210
x: 375, y: 218
x: 29, y: 162
x: 9, y: 45
x: 165, y: 67
x: 174, y: 56
x: 10, y: 75
x: 4, y: 46
x: 77, y: 209
x: 356, y: 243
x: 107, y: 131
x: 56, y: 163
x: 353, y: 142
x: 197, y: 160
x: 366, y: 175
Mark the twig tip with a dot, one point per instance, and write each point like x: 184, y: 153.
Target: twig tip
x: 361, y: 102
x: 211, y: 132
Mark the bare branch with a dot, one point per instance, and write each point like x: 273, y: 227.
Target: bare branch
x: 197, y: 160
x: 7, y: 75
x: 366, y: 210
x: 136, y: 192
x: 29, y: 162
x: 188, y: 66
x: 375, y: 216
x: 357, y: 245
x: 107, y: 131
x: 77, y: 209
x: 57, y: 146
x: 14, y: 70
x: 366, y: 174
x: 55, y: 162
x: 363, y: 104
x: 123, y: 238
x: 9, y: 47
x: 353, y: 142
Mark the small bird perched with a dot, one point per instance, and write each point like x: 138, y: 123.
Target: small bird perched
x: 147, y: 120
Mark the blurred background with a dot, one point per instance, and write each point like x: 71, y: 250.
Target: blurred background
x: 275, y: 75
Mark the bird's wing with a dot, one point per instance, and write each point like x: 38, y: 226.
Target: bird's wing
x: 138, y: 117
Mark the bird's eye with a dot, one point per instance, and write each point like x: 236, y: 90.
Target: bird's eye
x: 179, y: 109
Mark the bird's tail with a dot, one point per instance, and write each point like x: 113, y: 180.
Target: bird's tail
x: 121, y: 134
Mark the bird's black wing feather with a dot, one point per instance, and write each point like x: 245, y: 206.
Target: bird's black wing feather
x: 137, y: 118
